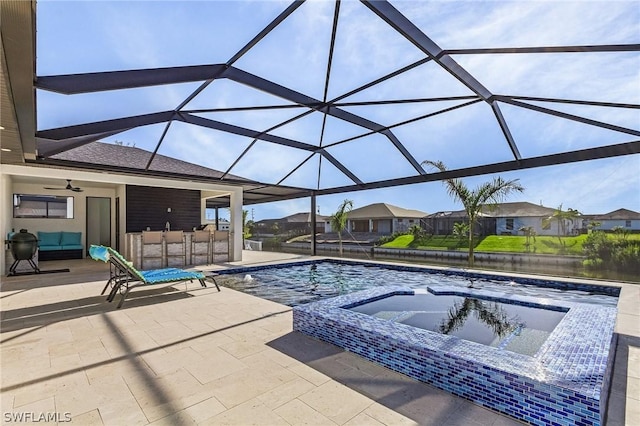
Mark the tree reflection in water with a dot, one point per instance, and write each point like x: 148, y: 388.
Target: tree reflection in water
x: 313, y: 277
x: 490, y: 313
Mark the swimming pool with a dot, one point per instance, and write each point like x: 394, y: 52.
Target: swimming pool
x: 562, y: 380
x: 299, y: 283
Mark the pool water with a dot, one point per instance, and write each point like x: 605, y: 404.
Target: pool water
x: 509, y: 326
x: 305, y: 282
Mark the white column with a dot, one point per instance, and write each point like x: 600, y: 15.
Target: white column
x: 235, y: 251
x: 6, y: 215
x: 203, y: 209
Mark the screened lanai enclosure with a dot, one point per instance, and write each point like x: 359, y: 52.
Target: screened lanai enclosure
x: 326, y: 97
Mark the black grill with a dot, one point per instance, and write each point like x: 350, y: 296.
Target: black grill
x: 23, y: 246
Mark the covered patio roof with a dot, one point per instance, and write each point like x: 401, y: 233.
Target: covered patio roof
x: 422, y: 98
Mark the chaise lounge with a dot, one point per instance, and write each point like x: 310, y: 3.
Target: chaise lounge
x: 124, y: 277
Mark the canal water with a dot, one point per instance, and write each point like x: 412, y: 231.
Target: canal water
x: 570, y: 271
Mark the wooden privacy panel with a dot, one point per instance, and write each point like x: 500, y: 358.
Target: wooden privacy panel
x: 147, y: 207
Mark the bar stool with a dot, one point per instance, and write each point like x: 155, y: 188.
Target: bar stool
x: 220, y: 249
x: 151, y: 247
x: 175, y: 247
x: 200, y: 246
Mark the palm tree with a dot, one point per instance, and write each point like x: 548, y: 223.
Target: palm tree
x: 530, y: 234
x: 488, y: 193
x: 339, y: 220
x: 562, y: 217
x: 245, y: 229
x: 460, y: 231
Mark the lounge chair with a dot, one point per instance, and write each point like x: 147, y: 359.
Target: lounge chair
x: 124, y: 277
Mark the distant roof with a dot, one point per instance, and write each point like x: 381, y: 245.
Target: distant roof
x: 620, y: 214
x: 516, y: 209
x: 384, y: 210
x: 304, y: 217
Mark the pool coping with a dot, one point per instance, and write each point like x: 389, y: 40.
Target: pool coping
x: 568, y: 377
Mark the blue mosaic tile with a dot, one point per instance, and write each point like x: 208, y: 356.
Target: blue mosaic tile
x: 564, y: 382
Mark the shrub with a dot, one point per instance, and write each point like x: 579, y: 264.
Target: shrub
x: 605, y: 252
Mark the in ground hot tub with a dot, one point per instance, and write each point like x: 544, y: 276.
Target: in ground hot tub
x: 549, y: 365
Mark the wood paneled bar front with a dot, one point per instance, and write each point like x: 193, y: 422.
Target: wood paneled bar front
x: 155, y: 257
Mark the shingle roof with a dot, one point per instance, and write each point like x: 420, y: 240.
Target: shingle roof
x: 516, y: 209
x: 384, y: 210
x: 304, y: 217
x: 620, y: 214
x: 136, y: 158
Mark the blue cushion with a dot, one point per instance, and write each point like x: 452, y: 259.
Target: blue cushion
x: 72, y: 247
x: 169, y: 275
x: 71, y: 239
x: 49, y: 238
x: 50, y: 248
x: 99, y: 253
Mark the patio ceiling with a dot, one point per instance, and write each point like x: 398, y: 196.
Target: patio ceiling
x: 327, y: 128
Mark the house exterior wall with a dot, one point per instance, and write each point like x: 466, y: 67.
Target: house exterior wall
x: 608, y: 225
x: 502, y: 226
x: 76, y: 224
x: 383, y: 226
x: 510, y: 226
x: 359, y: 225
x: 444, y: 225
x: 404, y: 224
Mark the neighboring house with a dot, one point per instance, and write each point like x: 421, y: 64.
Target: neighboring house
x: 511, y: 217
x: 624, y: 218
x: 382, y: 218
x: 224, y: 225
x: 442, y: 222
x: 502, y: 219
x: 298, y: 223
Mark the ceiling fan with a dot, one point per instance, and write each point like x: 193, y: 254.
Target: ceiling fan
x: 69, y: 187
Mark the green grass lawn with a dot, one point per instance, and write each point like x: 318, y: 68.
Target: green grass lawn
x: 496, y: 243
x: 542, y: 244
x: 403, y: 241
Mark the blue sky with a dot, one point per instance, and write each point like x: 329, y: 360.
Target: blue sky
x: 94, y: 36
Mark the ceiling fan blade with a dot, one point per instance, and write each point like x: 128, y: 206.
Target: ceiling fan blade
x: 69, y: 187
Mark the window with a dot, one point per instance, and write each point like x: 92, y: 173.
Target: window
x: 42, y: 206
x: 509, y: 224
x: 546, y: 224
x: 627, y: 224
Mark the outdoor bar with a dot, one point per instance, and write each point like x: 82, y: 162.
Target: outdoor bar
x: 189, y: 251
